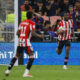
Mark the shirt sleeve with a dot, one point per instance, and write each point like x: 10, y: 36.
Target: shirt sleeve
x: 19, y: 27
x: 33, y: 27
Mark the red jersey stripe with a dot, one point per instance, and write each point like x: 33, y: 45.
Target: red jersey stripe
x: 67, y: 25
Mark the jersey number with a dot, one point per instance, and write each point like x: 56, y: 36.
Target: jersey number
x: 23, y: 30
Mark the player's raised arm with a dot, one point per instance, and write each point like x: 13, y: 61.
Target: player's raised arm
x: 37, y: 14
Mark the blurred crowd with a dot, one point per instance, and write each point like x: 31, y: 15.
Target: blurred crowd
x: 49, y: 12
x: 6, y: 7
x: 53, y: 10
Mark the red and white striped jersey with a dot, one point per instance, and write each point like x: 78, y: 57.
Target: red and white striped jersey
x: 67, y: 25
x: 25, y: 28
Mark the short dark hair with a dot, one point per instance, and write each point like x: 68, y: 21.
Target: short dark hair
x: 29, y: 15
x: 78, y: 1
x: 66, y: 12
x: 40, y: 1
x: 26, y: 0
x: 71, y: 6
x: 47, y: 22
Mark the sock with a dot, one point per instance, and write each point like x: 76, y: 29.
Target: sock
x: 65, y: 63
x: 12, y: 63
x: 30, y: 62
x: 66, y: 60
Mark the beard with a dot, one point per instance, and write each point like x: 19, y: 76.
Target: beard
x: 66, y: 19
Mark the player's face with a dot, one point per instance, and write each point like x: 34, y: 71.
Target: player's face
x: 40, y: 4
x: 26, y: 2
x: 66, y: 16
x: 47, y: 27
x: 71, y: 9
x: 40, y: 13
x: 66, y: 1
x: 51, y: 1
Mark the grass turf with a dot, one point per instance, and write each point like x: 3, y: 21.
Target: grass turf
x: 42, y: 73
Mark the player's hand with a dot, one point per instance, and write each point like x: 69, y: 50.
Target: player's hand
x: 18, y: 33
x: 42, y: 36
x: 62, y: 32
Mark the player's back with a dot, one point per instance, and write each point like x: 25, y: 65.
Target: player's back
x: 25, y: 28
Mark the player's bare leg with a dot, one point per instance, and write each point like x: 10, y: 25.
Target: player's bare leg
x: 67, y: 49
x: 29, y: 65
x: 7, y: 72
x: 58, y: 51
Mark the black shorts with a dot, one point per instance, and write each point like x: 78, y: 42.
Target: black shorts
x: 65, y: 43
x: 28, y: 50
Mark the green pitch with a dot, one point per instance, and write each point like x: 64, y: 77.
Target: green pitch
x: 42, y: 73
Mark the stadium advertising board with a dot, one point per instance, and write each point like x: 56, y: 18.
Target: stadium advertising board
x: 45, y: 54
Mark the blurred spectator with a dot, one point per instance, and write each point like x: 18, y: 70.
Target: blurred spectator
x: 23, y: 13
x: 0, y: 9
x: 47, y: 26
x: 72, y: 15
x: 0, y: 3
x: 51, y: 8
x: 48, y: 37
x: 47, y: 9
x: 77, y: 10
x: 64, y: 6
x: 40, y: 7
x: 52, y: 19
x: 38, y: 20
x: 7, y: 6
x: 45, y: 2
x: 26, y: 3
x: 72, y: 2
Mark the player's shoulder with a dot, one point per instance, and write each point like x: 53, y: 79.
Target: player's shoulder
x: 30, y: 21
x: 23, y: 22
x: 70, y: 19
